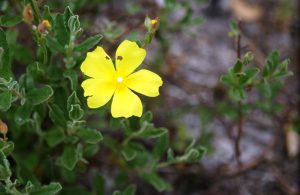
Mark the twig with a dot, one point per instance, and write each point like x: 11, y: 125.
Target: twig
x: 240, y: 111
x: 283, y: 183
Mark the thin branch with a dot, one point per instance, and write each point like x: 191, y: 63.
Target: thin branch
x: 239, y: 108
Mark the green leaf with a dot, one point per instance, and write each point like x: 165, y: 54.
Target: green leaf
x: 228, y: 80
x: 249, y: 75
x: 76, y: 112
x: 248, y: 57
x: 72, y: 99
x: 5, y: 171
x: 116, y: 192
x: 129, y: 153
x: 51, y: 189
x: 36, y: 70
x: 54, y: 136
x: 99, y: 185
x: 160, y: 146
x: 57, y: 115
x: 5, y: 100
x: 151, y: 132
x: 90, y: 150
x: 74, y: 24
x: 73, y: 78
x: 238, y: 67
x: 91, y: 136
x: 9, y: 21
x: 22, y: 114
x: 130, y: 190
x: 70, y: 156
x: 192, y: 155
x: 157, y: 182
x: 88, y: 43
x: 170, y: 153
x: 7, y: 147
x: 67, y: 14
x: 5, y: 64
x: 251, y: 72
x: 234, y: 29
x: 62, y: 34
x: 54, y: 45
x: 146, y: 117
x: 38, y: 96
x: 237, y: 93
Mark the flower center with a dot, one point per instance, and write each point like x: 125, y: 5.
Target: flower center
x: 120, y: 79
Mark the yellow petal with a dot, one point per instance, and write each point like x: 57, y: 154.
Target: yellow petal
x: 144, y: 82
x: 99, y: 92
x: 98, y: 64
x: 125, y: 103
x: 128, y: 57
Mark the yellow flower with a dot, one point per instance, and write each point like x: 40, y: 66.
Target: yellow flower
x: 119, y: 81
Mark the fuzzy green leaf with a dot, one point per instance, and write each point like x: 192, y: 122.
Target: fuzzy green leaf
x: 5, y: 100
x: 72, y: 99
x: 54, y: 136
x: 7, y: 147
x: 5, y: 171
x: 161, y: 146
x: 192, y: 155
x: 38, y: 96
x: 53, y: 44
x: 99, y: 185
x: 238, y: 67
x: 76, y: 112
x: 73, y: 77
x: 70, y: 156
x: 156, y: 181
x: 62, y: 34
x: 129, y: 153
x: 57, y: 115
x: 9, y: 21
x: 22, y: 114
x: 150, y: 132
x: 51, y: 189
x: 5, y: 64
x: 130, y: 190
x: 146, y: 117
x: 91, y: 136
x: 88, y: 43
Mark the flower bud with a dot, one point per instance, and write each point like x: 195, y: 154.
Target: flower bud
x: 3, y: 128
x: 27, y: 14
x: 44, y: 26
x: 152, y: 24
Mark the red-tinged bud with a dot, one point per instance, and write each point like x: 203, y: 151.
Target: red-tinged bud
x: 44, y: 26
x: 27, y: 14
x: 3, y: 128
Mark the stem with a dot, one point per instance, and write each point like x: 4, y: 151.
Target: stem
x: 239, y: 133
x: 239, y: 107
x: 36, y: 11
x: 165, y: 164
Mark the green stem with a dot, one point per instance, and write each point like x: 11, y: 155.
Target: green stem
x: 165, y: 164
x: 36, y: 11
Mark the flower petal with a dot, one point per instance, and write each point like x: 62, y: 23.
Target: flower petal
x: 99, y: 92
x: 125, y: 103
x: 128, y: 57
x: 98, y: 64
x: 144, y: 82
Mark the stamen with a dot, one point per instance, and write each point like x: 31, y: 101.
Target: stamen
x: 120, y: 79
